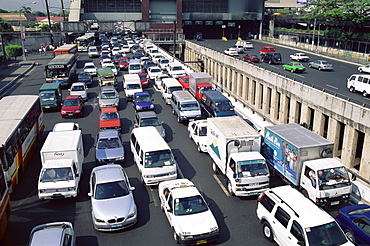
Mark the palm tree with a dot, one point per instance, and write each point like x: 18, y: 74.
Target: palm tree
x: 25, y: 9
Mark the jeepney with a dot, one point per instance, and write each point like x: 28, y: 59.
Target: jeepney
x: 106, y: 77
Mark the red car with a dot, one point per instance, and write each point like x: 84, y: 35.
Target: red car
x: 267, y: 49
x: 72, y: 106
x: 144, y: 80
x: 251, y: 58
x: 123, y: 63
x: 109, y: 119
x: 184, y: 81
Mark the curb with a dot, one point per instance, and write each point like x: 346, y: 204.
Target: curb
x: 17, y: 78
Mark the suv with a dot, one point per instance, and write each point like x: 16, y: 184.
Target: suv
x: 289, y: 218
x: 271, y: 58
x: 149, y: 118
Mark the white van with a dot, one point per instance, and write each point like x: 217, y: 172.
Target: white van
x: 134, y: 66
x: 289, y: 218
x: 359, y: 82
x: 131, y: 85
x: 185, y: 106
x: 152, y: 156
x: 169, y: 85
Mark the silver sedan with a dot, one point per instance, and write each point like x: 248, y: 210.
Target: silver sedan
x: 320, y: 65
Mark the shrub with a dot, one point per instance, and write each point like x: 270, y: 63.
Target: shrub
x: 14, y: 51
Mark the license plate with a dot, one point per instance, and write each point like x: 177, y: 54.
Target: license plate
x: 117, y: 225
x: 47, y: 106
x: 253, y: 193
x: 201, y: 242
x: 70, y: 114
x: 334, y: 203
x: 254, y: 184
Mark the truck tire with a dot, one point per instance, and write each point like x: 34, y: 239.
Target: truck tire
x: 230, y: 188
x: 199, y: 149
x: 190, y: 136
x: 214, y: 168
x: 267, y: 231
x: 365, y: 94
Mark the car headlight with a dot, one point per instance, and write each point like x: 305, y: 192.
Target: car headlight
x: 63, y: 112
x: 137, y: 107
x: 78, y: 111
x: 42, y: 190
x: 214, y: 230
x: 152, y: 106
x: 121, y: 158
x: 71, y: 188
x: 99, y: 220
x: 132, y: 214
x: 149, y: 176
x: 172, y: 173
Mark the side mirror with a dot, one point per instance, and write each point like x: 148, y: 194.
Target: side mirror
x: 162, y: 122
x: 136, y: 125
x: 132, y: 188
x: 89, y: 194
x: 77, y: 175
x: 98, y: 97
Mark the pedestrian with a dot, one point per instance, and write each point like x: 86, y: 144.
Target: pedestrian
x: 25, y: 52
x: 44, y: 50
x: 40, y: 51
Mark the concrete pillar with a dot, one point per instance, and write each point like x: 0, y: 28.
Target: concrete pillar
x: 245, y: 88
x: 349, y: 146
x: 284, y: 115
x: 252, y: 92
x: 259, y: 95
x: 293, y: 111
x: 333, y: 135
x: 304, y: 114
x: 274, y: 105
x: 266, y: 105
x: 365, y: 159
x: 318, y: 123
x: 239, y: 84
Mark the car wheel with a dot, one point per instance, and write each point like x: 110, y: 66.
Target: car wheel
x: 352, y: 89
x: 199, y: 149
x: 319, y: 68
x: 178, y: 119
x: 173, y: 111
x: 365, y: 94
x: 284, y: 68
x: 176, y: 237
x: 230, y: 188
x: 292, y: 70
x: 350, y: 235
x: 309, y: 65
x: 190, y: 136
x: 305, y: 193
x: 360, y: 70
x: 214, y: 168
x: 270, y: 62
x: 267, y: 231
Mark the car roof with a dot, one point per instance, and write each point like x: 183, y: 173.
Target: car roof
x: 48, y: 234
x: 108, y: 173
x: 89, y: 63
x: 72, y: 97
x: 77, y: 84
x: 107, y: 89
x: 146, y: 114
x: 108, y: 110
x: 143, y: 93
x: 109, y: 133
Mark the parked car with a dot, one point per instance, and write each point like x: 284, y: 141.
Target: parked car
x: 80, y: 89
x: 90, y: 68
x: 142, y: 101
x: 231, y: 51
x: 355, y: 222
x: 149, y: 118
x: 109, y: 119
x: 108, y: 97
x: 54, y: 233
x: 294, y: 67
x: 72, y: 106
x: 112, y: 202
x: 84, y: 77
x: 364, y: 69
x: 251, y: 58
x: 320, y: 65
x: 109, y: 148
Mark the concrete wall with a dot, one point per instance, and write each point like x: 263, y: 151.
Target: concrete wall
x: 282, y: 100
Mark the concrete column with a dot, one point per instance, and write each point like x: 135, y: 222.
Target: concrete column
x: 274, y: 105
x: 266, y: 105
x: 318, y: 123
x: 245, y: 88
x: 252, y: 94
x: 293, y: 111
x: 145, y: 10
x: 284, y: 115
x: 239, y: 84
x: 259, y: 95
x: 333, y: 134
x: 349, y: 146
x: 304, y: 114
x: 365, y: 159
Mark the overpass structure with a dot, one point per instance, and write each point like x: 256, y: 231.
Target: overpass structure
x: 283, y: 100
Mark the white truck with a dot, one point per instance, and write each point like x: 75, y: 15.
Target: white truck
x: 234, y: 147
x: 62, y: 156
x: 131, y: 85
x: 305, y: 160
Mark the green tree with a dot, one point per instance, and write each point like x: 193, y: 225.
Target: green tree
x: 3, y: 11
x: 25, y: 9
x: 38, y: 13
x: 44, y: 27
x: 5, y: 26
x: 14, y: 51
x: 348, y: 15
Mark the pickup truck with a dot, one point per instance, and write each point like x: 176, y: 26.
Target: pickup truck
x: 299, y: 57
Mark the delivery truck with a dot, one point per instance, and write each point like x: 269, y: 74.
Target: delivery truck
x: 199, y: 82
x: 62, y: 157
x: 305, y: 160
x: 234, y: 147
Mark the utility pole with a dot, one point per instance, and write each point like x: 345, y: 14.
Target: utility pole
x: 51, y: 32
x: 174, y: 39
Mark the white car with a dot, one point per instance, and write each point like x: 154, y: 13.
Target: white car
x: 126, y: 49
x: 153, y: 72
x: 66, y: 126
x: 231, y: 51
x: 79, y: 89
x: 187, y: 212
x: 143, y: 60
x: 54, y: 233
x: 105, y: 53
x: 239, y: 48
x: 158, y: 80
x: 157, y: 57
x: 90, y: 68
x: 198, y: 132
x: 113, y: 67
x: 163, y: 63
x: 115, y: 51
x: 175, y: 70
x: 364, y: 69
x: 299, y: 57
x: 112, y: 202
x: 106, y: 62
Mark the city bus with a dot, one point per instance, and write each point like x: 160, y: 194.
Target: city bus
x: 62, y: 69
x: 5, y: 206
x: 85, y: 41
x: 22, y: 124
x: 67, y: 49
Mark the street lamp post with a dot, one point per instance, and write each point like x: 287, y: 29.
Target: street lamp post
x: 22, y: 29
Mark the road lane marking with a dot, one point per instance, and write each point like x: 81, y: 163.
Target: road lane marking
x: 154, y: 197
x: 221, y: 185
x: 332, y: 86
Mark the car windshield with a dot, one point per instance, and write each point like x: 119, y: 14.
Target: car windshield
x: 186, y: 80
x: 71, y: 102
x: 333, y: 178
x: 123, y: 60
x: 172, y: 89
x: 155, y: 70
x: 253, y: 56
x: 142, y: 76
x: 135, y: 66
x: 297, y: 64
x: 56, y: 174
x: 246, y: 169
x: 109, y: 116
x: 159, y: 159
x: 108, y: 95
x: 164, y: 61
x: 189, y: 205
x: 47, y: 96
x: 188, y: 106
x: 111, y: 190
x: 78, y: 88
x: 133, y: 86
x: 177, y: 68
x: 203, y: 131
x: 149, y: 122
x: 109, y: 143
x: 89, y: 67
x: 111, y: 67
x: 143, y: 99
x: 224, y: 106
x: 328, y: 234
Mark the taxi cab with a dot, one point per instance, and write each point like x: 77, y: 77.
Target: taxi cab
x: 109, y: 119
x: 187, y: 212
